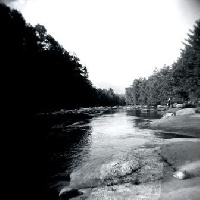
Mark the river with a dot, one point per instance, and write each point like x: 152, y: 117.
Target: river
x: 78, y: 149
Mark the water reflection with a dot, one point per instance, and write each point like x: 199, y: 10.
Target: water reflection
x: 85, y: 144
x: 144, y: 115
x: 65, y: 148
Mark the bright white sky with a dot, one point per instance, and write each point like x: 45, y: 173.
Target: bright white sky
x: 117, y: 40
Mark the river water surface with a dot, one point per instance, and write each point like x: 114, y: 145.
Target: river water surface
x: 87, y: 144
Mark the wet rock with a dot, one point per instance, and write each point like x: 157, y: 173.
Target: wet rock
x: 188, y: 170
x: 127, y: 191
x: 181, y: 175
x: 150, y: 172
x: 178, y: 105
x: 118, y: 168
x: 86, y: 177
x: 139, y: 166
x: 151, y: 165
x: 68, y: 192
x: 161, y: 107
x: 166, y: 115
x: 186, y: 111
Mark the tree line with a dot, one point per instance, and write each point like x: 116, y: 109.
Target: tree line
x: 180, y: 81
x: 39, y: 73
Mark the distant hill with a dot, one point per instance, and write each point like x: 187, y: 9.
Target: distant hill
x: 104, y: 85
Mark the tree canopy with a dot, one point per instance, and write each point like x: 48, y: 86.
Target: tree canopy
x: 40, y: 73
x: 181, y: 81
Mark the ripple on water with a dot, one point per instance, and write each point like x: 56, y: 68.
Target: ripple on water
x: 86, y: 146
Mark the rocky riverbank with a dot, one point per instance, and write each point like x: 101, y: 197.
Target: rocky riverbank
x: 180, y: 155
x: 136, y: 175
x: 152, y: 171
x: 184, y: 124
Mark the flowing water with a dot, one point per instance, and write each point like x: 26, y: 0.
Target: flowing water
x: 88, y: 143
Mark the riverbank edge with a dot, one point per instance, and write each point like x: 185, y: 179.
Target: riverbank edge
x: 180, y: 153
x: 175, y: 153
x: 188, y: 125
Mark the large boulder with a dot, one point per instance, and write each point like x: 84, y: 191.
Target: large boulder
x: 68, y: 192
x: 186, y: 111
x: 167, y: 115
x: 179, y: 105
x: 118, y: 168
x: 161, y: 107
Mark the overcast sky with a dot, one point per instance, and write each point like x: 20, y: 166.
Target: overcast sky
x: 117, y: 40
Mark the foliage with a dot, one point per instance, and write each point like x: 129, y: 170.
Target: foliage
x: 41, y: 74
x: 181, y: 81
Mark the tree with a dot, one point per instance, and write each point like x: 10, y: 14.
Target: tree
x: 181, y: 81
x: 186, y: 70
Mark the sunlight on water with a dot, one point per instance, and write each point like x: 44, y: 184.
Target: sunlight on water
x: 115, y: 133
x: 113, y: 136
x: 93, y: 143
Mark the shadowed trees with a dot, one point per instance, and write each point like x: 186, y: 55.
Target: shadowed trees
x: 38, y: 75
x: 42, y: 75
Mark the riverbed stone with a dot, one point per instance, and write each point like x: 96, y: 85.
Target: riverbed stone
x: 166, y: 115
x: 138, y: 166
x: 151, y: 164
x: 68, y: 192
x: 186, y: 111
x: 128, y: 191
x: 118, y: 168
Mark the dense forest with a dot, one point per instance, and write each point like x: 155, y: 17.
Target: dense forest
x: 40, y: 73
x: 180, y: 81
x: 37, y: 76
